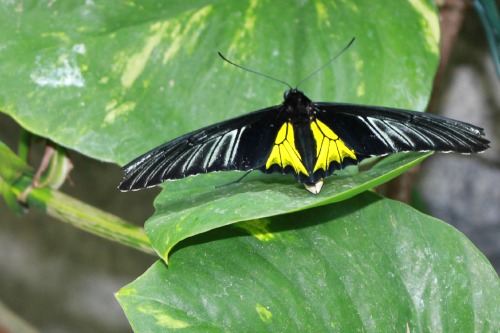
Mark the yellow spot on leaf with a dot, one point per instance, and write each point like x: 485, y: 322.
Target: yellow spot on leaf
x: 321, y: 11
x: 184, y: 33
x: 175, y: 43
x: 137, y: 62
x: 61, y: 35
x: 257, y: 228
x: 167, y: 321
x: 243, y: 35
x: 162, y: 319
x: 358, y: 63
x: 360, y: 91
x: 429, y: 22
x: 114, y: 110
x: 249, y: 23
x: 284, y: 152
x: 329, y: 147
x: 129, y: 291
x: 104, y: 80
x: 264, y: 313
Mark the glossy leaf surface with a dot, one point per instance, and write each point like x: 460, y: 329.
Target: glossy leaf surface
x: 114, y: 79
x: 363, y: 265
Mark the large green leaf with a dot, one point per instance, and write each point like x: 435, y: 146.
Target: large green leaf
x: 113, y: 79
x: 364, y: 265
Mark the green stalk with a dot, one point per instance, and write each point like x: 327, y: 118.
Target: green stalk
x: 83, y: 216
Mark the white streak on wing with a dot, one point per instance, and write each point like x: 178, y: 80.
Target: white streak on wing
x: 213, y: 152
x: 192, y: 153
x: 423, y: 136
x: 390, y: 132
x: 147, y: 168
x: 380, y: 134
x: 401, y: 134
x: 230, y: 136
x: 160, y: 165
x: 235, y: 141
x: 225, y: 144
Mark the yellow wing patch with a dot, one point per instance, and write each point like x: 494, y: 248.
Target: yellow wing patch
x: 329, y: 147
x: 284, y: 152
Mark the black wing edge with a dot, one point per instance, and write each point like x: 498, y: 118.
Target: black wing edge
x: 135, y: 178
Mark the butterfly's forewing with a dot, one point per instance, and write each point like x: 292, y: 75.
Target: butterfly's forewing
x: 241, y: 143
x: 376, y: 131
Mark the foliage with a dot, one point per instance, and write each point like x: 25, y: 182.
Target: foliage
x: 112, y: 80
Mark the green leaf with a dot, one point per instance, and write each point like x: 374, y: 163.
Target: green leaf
x: 11, y: 166
x: 364, y: 265
x: 11, y: 169
x: 114, y: 79
x: 112, y: 88
x: 198, y: 204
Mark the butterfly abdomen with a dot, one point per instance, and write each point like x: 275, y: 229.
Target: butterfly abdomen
x: 306, y: 146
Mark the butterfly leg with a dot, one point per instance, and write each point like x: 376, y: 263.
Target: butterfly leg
x: 235, y: 181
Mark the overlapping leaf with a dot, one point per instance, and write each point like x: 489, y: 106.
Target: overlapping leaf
x: 364, y: 265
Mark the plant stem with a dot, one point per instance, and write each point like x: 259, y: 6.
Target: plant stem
x: 83, y: 216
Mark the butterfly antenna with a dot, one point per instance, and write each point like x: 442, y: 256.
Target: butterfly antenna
x: 327, y: 63
x: 251, y: 71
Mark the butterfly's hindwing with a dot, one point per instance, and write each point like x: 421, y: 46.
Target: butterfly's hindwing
x: 310, y: 152
x: 284, y: 156
x: 330, y: 148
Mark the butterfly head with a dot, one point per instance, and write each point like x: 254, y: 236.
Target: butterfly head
x: 296, y: 101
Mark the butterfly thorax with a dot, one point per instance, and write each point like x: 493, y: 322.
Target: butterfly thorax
x: 298, y: 107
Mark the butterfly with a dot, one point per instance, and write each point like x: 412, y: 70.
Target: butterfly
x: 310, y: 140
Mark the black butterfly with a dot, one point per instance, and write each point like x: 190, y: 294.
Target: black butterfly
x: 300, y: 137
